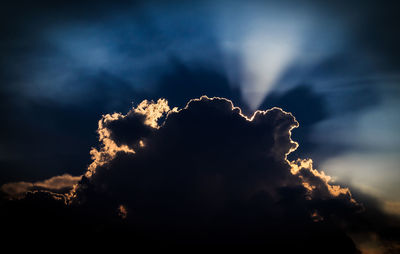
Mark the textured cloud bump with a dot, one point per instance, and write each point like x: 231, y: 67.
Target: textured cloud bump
x: 202, y: 174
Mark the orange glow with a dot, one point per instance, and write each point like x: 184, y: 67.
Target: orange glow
x: 153, y: 111
x: 19, y: 189
x: 122, y: 211
x: 316, y: 217
x: 307, y: 165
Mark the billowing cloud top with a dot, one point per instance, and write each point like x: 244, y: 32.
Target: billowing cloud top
x: 204, y: 174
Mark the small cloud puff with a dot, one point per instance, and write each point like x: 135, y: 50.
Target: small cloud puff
x: 56, y: 184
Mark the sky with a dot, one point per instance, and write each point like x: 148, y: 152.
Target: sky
x: 67, y: 66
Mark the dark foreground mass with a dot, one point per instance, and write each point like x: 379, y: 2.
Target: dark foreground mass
x: 203, y: 174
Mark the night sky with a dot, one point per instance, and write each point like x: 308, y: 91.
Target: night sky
x: 105, y: 130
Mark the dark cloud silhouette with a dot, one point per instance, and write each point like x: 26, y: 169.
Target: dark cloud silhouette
x: 308, y: 106
x: 202, y: 174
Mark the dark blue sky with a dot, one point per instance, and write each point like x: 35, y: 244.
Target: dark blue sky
x: 334, y: 66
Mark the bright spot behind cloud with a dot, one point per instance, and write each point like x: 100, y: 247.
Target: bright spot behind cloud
x: 266, y: 42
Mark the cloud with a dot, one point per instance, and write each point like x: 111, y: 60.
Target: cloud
x: 206, y: 167
x: 62, y: 183
x: 204, y: 174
